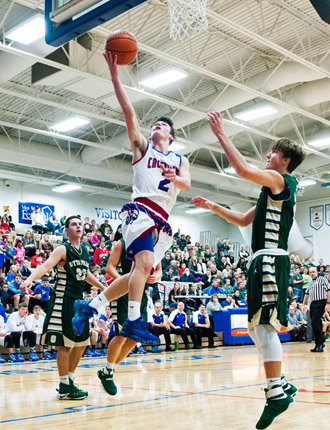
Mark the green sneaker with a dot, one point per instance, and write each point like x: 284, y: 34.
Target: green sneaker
x: 70, y: 392
x: 107, y: 382
x: 288, y: 388
x: 273, y: 409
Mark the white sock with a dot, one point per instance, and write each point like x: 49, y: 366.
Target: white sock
x: 110, y: 367
x: 64, y: 379
x: 99, y: 301
x: 133, y: 310
x: 275, y: 389
x: 72, y: 375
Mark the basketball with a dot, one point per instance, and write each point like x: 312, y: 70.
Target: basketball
x: 124, y: 45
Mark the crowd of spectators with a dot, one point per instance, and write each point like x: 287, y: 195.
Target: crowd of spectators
x: 204, y: 277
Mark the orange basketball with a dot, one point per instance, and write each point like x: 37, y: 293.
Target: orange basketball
x: 124, y: 45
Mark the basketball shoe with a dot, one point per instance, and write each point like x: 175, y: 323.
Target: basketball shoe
x: 288, y: 388
x: 107, y: 381
x: 70, y: 392
x: 273, y: 409
x: 82, y: 313
x: 137, y: 330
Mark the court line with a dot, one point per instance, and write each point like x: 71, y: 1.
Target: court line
x: 76, y: 409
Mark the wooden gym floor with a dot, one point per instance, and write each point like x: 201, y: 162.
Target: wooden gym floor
x: 219, y: 388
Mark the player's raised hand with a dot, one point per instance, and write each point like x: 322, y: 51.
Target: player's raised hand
x: 169, y: 172
x: 200, y: 202
x: 215, y: 120
x: 25, y: 285
x: 112, y: 63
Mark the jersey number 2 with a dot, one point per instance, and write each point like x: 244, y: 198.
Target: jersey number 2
x: 162, y: 185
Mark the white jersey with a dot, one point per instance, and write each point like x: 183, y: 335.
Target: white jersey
x: 149, y: 181
x: 34, y: 324
x: 16, y: 323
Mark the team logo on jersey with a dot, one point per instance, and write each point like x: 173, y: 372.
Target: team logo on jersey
x: 132, y: 215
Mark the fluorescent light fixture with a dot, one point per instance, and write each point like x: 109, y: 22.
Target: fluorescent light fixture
x: 306, y: 183
x: 28, y: 32
x: 65, y: 188
x: 69, y: 124
x: 176, y: 147
x: 163, y: 79
x: 258, y: 112
x: 197, y: 211
x: 320, y: 142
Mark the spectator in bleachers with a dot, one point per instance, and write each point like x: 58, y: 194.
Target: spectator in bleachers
x: 4, y: 298
x: 96, y: 237
x: 12, y: 271
x: 37, y: 243
x: 236, y: 297
x: 244, y: 253
x: 38, y: 221
x: 37, y: 259
x: 25, y: 271
x: 28, y: 244
x: 229, y: 302
x: 176, y: 291
x: 18, y: 328
x: 166, y: 261
x: 226, y: 272
x: 107, y: 235
x: 242, y: 290
x: 182, y: 268
x: 189, y: 303
x: 179, y: 325
x: 100, y: 254
x: 213, y: 306
x: 207, y: 279
x: 2, y: 254
x: 158, y: 326
x: 106, y: 322
x: 104, y: 226
x: 201, y: 266
x: 174, y: 265
x: 297, y: 284
x: 168, y: 275
x: 19, y: 252
x: 41, y: 293
x: 182, y: 242
x: 47, y: 246
x: 54, y: 224
x: 228, y: 288
x: 64, y: 218
x: 185, y: 255
x: 98, y: 334
x: 242, y: 264
x: 16, y: 296
x: 10, y: 252
x: 230, y: 259
x: 216, y: 288
x: 5, y: 228
x: 87, y: 226
x: 202, y: 326
x: 6, y: 340
x: 187, y: 277
x: 298, y: 332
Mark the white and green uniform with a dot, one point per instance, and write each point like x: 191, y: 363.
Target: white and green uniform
x: 268, y: 278
x: 69, y: 286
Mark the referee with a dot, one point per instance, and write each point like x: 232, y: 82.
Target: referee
x: 318, y: 290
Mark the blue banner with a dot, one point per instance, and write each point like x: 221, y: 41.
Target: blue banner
x: 26, y: 209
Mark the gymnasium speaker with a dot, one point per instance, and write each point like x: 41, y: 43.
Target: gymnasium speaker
x: 322, y: 7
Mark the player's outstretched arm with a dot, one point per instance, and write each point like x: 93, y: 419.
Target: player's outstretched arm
x: 239, y: 218
x: 56, y: 257
x: 267, y: 178
x: 183, y: 179
x: 93, y: 281
x: 138, y: 141
x: 114, y: 260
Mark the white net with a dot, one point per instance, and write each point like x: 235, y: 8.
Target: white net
x: 187, y: 18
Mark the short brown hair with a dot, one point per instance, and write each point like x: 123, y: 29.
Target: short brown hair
x: 290, y: 150
x: 22, y: 305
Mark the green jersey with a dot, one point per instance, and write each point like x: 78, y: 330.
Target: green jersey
x: 71, y: 277
x: 273, y: 217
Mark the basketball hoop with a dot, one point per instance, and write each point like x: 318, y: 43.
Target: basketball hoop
x: 187, y: 18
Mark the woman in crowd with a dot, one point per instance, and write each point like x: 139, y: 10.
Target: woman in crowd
x: 176, y: 291
x: 28, y: 244
x: 37, y: 243
x: 37, y: 259
x: 96, y: 237
x: 5, y: 227
x: 213, y: 306
x: 47, y: 246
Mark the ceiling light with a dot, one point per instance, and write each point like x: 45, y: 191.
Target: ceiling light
x: 69, y: 124
x: 29, y: 31
x: 256, y: 113
x: 320, y: 142
x: 306, y: 183
x: 164, y: 78
x: 66, y: 188
x: 197, y: 211
x: 176, y: 147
